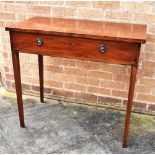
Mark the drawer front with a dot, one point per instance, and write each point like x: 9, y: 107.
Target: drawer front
x: 94, y: 50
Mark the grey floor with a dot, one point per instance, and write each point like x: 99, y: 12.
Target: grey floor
x: 61, y: 127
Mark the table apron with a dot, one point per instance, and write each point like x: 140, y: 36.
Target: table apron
x: 76, y: 48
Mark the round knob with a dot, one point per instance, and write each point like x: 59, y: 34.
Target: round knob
x: 39, y: 42
x: 102, y: 48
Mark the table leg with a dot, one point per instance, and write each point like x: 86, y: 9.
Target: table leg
x: 16, y: 67
x: 129, y: 104
x: 41, y: 77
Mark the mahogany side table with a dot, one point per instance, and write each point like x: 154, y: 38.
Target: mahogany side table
x: 107, y: 42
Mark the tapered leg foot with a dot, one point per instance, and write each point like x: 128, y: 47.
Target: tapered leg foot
x: 125, y: 145
x: 22, y: 125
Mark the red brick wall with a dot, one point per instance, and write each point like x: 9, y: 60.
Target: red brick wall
x: 82, y: 80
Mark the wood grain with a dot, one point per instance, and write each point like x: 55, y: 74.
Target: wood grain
x: 82, y: 29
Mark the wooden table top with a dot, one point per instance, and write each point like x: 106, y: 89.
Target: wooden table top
x: 82, y: 29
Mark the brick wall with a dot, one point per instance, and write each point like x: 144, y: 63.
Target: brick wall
x: 83, y: 81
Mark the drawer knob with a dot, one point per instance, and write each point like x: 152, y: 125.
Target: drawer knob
x: 39, y: 42
x: 102, y: 48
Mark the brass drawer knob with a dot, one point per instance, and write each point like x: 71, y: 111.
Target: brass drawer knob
x: 39, y: 42
x: 102, y: 49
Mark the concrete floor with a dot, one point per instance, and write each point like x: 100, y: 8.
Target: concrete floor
x: 61, y: 127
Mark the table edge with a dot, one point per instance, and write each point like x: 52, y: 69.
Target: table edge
x: 77, y: 35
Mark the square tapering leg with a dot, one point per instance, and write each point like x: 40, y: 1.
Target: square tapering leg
x: 41, y: 77
x: 129, y: 104
x: 17, y: 76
